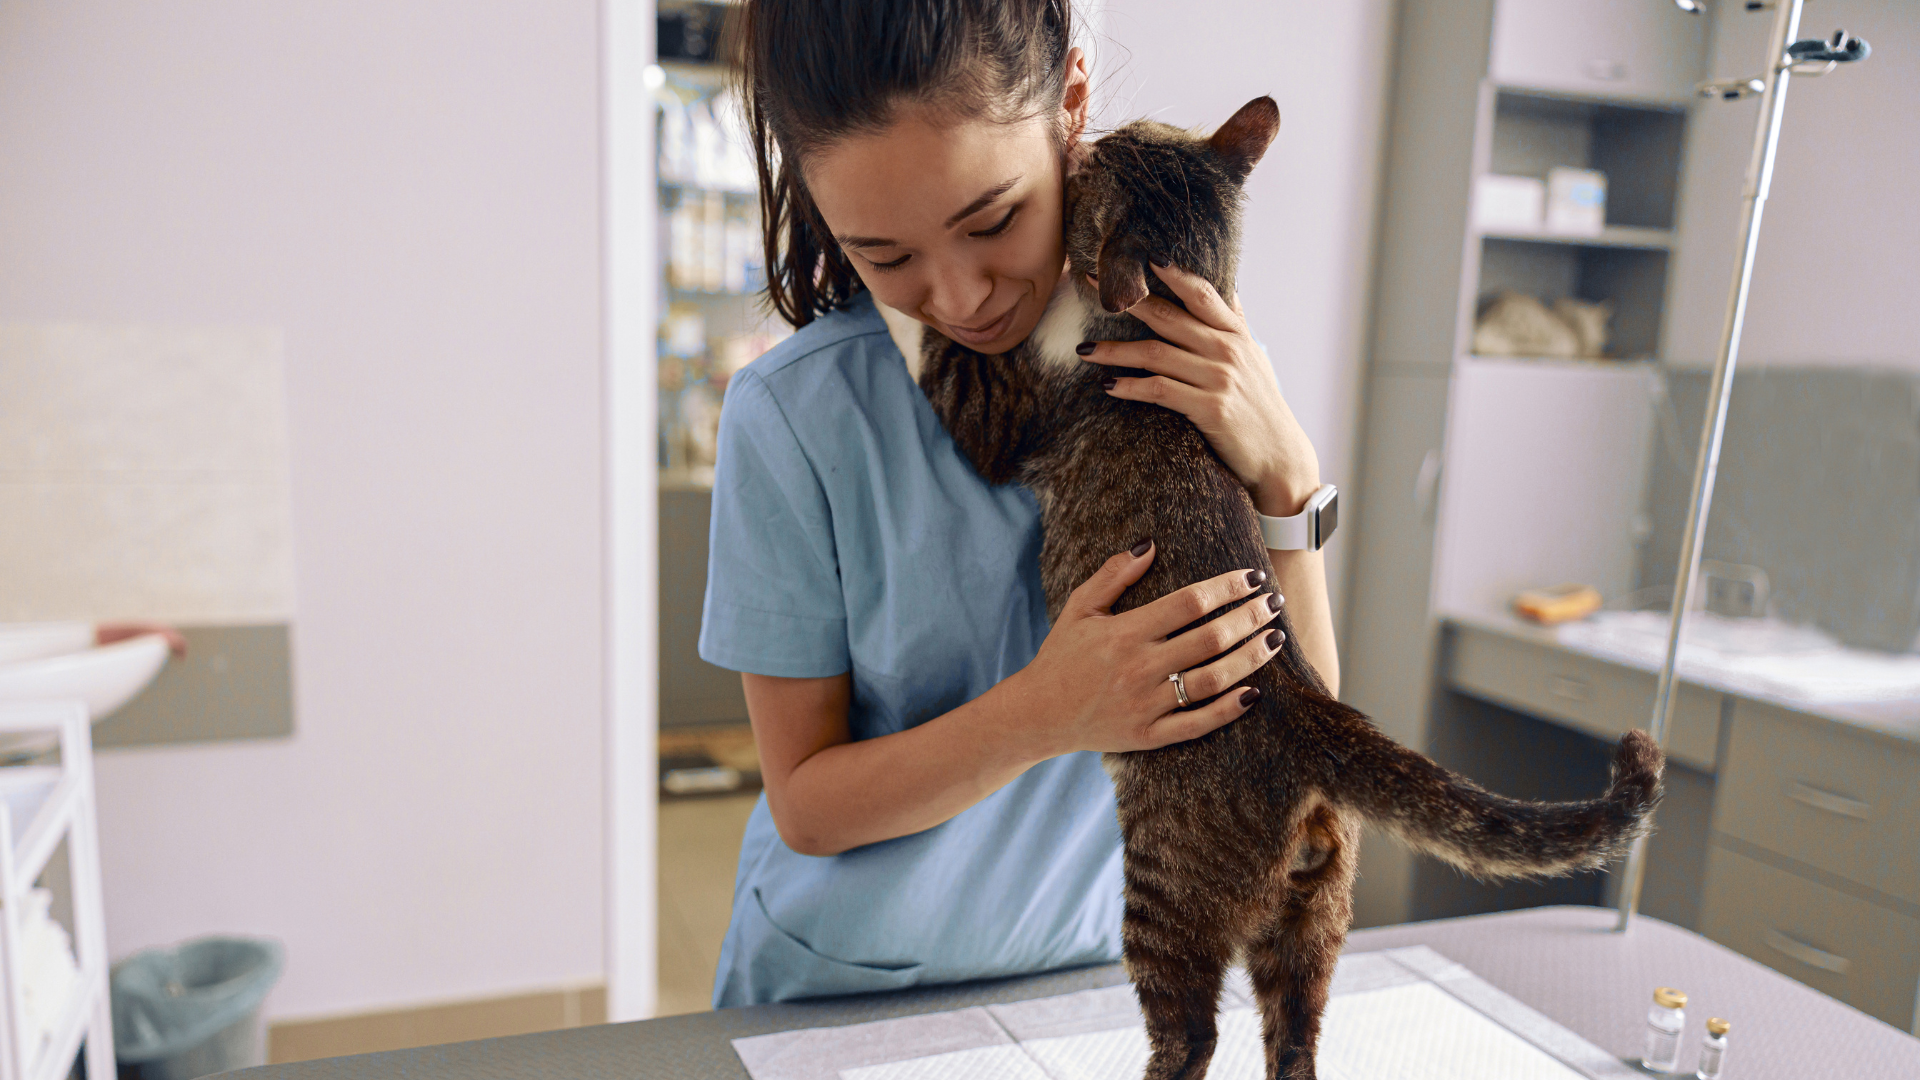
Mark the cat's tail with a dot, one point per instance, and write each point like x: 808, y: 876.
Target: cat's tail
x: 1445, y: 815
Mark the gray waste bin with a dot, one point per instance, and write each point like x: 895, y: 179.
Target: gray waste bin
x: 193, y: 1009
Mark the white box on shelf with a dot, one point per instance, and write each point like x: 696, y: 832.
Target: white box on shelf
x: 1576, y: 200
x: 1508, y: 203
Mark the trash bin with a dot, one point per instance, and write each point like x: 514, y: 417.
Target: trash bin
x: 193, y: 1009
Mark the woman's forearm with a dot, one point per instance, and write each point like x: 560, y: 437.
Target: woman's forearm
x: 846, y: 794
x: 1301, y: 577
x: 1098, y: 682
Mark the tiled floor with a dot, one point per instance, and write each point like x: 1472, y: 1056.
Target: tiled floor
x: 699, y: 850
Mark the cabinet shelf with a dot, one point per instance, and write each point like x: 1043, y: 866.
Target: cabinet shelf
x: 1613, y: 236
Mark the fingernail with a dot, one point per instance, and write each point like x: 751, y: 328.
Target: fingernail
x: 1275, y: 639
x: 1248, y: 696
x: 1085, y: 348
x: 1109, y: 383
x: 1140, y: 548
x: 1160, y: 261
x: 1255, y: 577
x: 1273, y: 601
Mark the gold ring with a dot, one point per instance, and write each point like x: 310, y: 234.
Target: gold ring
x: 1180, y: 689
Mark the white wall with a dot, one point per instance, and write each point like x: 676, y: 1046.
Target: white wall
x: 409, y: 193
x: 1513, y: 515
x: 1311, y: 205
x: 1833, y: 282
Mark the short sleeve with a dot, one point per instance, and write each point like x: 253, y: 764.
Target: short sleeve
x: 774, y: 605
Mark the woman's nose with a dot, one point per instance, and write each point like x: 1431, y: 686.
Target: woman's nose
x: 958, y: 292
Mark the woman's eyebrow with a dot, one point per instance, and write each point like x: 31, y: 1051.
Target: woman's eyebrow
x: 985, y: 200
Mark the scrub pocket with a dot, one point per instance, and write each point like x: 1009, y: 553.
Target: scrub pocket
x: 781, y: 967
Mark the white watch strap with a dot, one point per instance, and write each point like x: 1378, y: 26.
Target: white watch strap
x: 1303, y: 531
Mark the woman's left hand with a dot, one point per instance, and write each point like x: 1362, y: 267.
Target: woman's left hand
x: 1209, y: 369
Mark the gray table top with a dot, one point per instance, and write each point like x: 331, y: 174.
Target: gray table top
x: 1562, y: 961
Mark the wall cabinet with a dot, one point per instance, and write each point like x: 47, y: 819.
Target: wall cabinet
x: 692, y: 691
x: 1635, y: 49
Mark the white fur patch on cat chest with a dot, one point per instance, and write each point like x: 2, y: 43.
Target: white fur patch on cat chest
x: 1062, y: 328
x: 907, y: 332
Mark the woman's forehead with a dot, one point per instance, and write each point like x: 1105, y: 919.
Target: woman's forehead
x: 918, y: 173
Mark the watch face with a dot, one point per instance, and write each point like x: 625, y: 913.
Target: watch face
x: 1329, y: 518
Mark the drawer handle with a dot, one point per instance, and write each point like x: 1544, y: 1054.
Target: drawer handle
x: 1827, y: 800
x: 1806, y: 954
x: 1570, y: 688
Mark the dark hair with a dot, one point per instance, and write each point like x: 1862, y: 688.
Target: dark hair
x: 815, y: 71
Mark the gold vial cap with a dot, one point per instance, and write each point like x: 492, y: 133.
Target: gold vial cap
x: 1668, y: 998
x: 1717, y: 1027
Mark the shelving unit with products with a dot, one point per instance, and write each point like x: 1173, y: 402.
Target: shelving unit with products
x: 1623, y: 263
x: 1476, y: 469
x: 712, y: 322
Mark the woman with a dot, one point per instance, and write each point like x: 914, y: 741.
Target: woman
x: 935, y: 808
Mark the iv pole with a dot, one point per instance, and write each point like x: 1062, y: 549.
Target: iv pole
x: 1809, y: 58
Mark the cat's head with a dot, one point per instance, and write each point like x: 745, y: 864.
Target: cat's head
x: 1153, y: 191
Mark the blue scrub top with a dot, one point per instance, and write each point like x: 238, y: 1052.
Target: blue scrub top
x: 850, y: 535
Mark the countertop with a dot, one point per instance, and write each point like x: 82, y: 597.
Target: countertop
x: 1897, y: 717
x: 1562, y: 961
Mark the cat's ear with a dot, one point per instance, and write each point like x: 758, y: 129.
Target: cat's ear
x: 1244, y: 138
x: 1123, y: 277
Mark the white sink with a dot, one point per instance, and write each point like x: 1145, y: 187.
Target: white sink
x: 31, y: 641
x: 56, y: 661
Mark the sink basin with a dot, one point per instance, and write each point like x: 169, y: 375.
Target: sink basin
x: 38, y: 664
x: 31, y: 641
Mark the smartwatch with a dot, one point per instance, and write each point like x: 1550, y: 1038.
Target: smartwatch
x: 1307, y: 530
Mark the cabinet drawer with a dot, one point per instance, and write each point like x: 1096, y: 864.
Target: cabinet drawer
x: 1861, y: 953
x: 1824, y: 794
x: 1580, y: 692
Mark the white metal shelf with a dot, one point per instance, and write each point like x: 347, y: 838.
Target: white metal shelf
x: 1613, y: 236
x: 41, y: 805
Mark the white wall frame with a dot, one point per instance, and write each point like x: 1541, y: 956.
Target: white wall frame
x: 632, y: 509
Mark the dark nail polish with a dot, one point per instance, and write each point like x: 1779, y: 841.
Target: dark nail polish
x: 1161, y: 261
x: 1140, y: 548
x: 1085, y: 348
x: 1248, y: 696
x: 1109, y: 383
x: 1275, y: 639
x: 1273, y: 602
x: 1255, y: 577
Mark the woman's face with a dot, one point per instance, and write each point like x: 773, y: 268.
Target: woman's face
x: 957, y: 223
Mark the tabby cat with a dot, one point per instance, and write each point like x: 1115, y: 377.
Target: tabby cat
x: 1241, y: 843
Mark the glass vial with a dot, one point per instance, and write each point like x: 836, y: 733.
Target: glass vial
x: 1713, y: 1050
x: 1664, y: 1023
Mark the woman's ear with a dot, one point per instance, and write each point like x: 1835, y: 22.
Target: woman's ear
x: 1076, y: 95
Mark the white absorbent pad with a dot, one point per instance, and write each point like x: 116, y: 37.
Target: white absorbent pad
x: 1402, y: 1014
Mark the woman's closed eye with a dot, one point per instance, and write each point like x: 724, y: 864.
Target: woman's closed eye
x: 988, y: 233
x: 1004, y: 224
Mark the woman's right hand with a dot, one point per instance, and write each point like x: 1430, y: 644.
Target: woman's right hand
x: 1100, y: 681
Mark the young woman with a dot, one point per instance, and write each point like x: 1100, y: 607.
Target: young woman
x: 935, y: 807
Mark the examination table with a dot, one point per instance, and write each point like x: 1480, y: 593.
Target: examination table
x: 1562, y: 961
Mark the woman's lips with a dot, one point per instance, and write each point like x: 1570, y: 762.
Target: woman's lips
x: 981, y: 336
